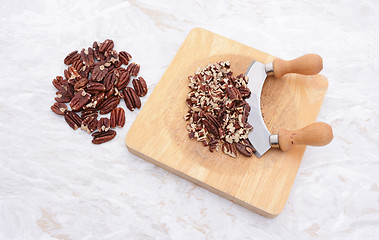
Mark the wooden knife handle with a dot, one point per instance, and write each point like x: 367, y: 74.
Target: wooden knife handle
x: 315, y: 134
x: 308, y: 64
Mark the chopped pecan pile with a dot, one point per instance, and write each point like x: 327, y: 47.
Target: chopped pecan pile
x: 218, y: 112
x: 94, y: 83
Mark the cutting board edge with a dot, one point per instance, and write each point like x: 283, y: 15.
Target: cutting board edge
x: 203, y: 185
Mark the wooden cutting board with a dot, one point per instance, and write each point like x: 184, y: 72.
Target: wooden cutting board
x: 159, y: 133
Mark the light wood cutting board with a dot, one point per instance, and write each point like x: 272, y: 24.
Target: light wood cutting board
x: 159, y: 133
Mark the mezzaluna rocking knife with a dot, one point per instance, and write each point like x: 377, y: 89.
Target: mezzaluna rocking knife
x: 315, y: 134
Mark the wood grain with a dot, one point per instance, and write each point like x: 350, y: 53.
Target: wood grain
x: 159, y: 132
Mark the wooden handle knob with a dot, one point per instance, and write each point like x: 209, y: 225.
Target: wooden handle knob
x: 308, y: 64
x: 315, y: 134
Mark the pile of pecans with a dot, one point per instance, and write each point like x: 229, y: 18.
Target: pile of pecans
x: 218, y: 112
x: 95, y: 82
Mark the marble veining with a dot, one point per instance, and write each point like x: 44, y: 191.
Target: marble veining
x: 55, y: 184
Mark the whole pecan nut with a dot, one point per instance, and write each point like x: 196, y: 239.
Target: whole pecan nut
x: 72, y: 119
x: 124, y: 57
x: 140, y: 86
x: 102, y: 137
x: 71, y: 58
x: 131, y: 99
x: 79, y: 100
x: 117, y: 117
x: 59, y: 108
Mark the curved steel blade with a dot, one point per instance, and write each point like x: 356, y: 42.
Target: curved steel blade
x: 260, y: 135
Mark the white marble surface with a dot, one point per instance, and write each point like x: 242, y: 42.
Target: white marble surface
x: 55, y: 184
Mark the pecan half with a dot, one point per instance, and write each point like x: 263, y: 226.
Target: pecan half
x: 123, y: 81
x: 124, y: 57
x: 71, y: 58
x: 140, y: 86
x: 96, y: 100
x: 81, y: 84
x: 59, y: 108
x: 245, y: 92
x: 73, y: 119
x: 62, y: 99
x: 99, y: 72
x: 108, y: 105
x: 131, y: 99
x: 210, y: 127
x: 245, y: 147
x: 133, y: 69
x: 63, y: 95
x: 89, y: 124
x: 229, y: 149
x: 90, y: 112
x: 106, y: 46
x: 103, y: 124
x: 96, y: 52
x: 87, y: 56
x: 73, y: 73
x: 60, y: 83
x: 78, y: 64
x: 102, y: 137
x: 79, y: 100
x: 233, y: 93
x: 95, y: 87
x: 109, y: 81
x: 117, y: 117
x: 118, y: 71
